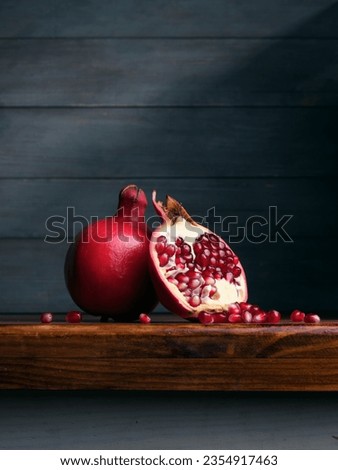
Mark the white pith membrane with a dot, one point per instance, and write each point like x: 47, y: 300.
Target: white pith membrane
x: 201, y: 284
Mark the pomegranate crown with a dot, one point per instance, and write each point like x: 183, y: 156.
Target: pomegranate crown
x: 131, y: 200
x: 171, y: 210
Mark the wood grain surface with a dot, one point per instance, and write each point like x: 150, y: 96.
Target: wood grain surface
x: 171, y: 356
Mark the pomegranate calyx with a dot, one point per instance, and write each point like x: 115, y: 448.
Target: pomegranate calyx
x: 171, y: 210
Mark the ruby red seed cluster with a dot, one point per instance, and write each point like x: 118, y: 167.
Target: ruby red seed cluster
x: 244, y: 312
x: 200, y: 267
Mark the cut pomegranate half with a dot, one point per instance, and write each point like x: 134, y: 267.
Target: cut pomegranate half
x: 193, y: 269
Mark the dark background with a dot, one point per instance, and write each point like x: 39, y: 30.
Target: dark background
x: 225, y: 103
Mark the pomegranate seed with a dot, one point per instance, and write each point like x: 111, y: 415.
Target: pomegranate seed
x: 215, y: 254
x: 194, y: 283
x: 221, y: 245
x: 190, y: 265
x: 203, y: 260
x: 273, y: 316
x: 179, y: 260
x: 172, y: 280
x: 186, y: 250
x: 209, y: 280
x: 221, y: 253
x: 213, y: 238
x: 236, y: 260
x: 160, y: 247
x: 229, y: 253
x: 182, y: 286
x: 220, y: 317
x: 180, y: 265
x: 312, y: 318
x: 188, y: 258
x: 229, y: 277
x: 195, y: 301
x: 237, y: 271
x: 221, y: 263
x: 245, y: 306
x: 182, y: 277
x: 212, y: 292
x: 74, y: 317
x: 297, y: 316
x: 178, y: 251
x: 255, y: 309
x: 234, y: 309
x: 205, y: 291
x: 170, y: 250
x: 213, y: 261
x: 193, y: 275
x: 144, y: 318
x: 206, y: 253
x: 205, y: 318
x: 46, y: 317
x: 198, y: 248
x: 259, y: 317
x: 234, y: 318
x: 247, y: 316
x: 163, y: 259
x: 230, y: 266
x: 179, y: 241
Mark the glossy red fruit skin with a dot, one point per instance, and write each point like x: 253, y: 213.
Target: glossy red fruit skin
x: 46, y: 317
x: 106, y: 268
x: 74, y: 317
x: 297, y: 316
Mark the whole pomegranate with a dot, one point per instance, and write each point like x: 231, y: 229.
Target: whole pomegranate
x: 106, y: 268
x: 195, y: 273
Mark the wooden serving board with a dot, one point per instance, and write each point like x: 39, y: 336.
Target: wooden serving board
x: 169, y: 356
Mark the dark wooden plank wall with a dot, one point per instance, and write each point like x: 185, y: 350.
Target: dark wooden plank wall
x: 223, y: 103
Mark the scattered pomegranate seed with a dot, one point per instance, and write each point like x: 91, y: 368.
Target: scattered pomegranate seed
x: 73, y: 317
x: 247, y: 317
x: 235, y: 318
x: 220, y: 317
x: 205, y: 318
x: 245, y: 306
x: 46, y: 317
x: 273, y: 316
x: 144, y: 318
x: 259, y: 317
x: 312, y: 318
x: 234, y: 309
x: 297, y: 316
x: 255, y: 309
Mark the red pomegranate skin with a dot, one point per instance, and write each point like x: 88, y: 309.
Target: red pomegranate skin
x: 106, y: 268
